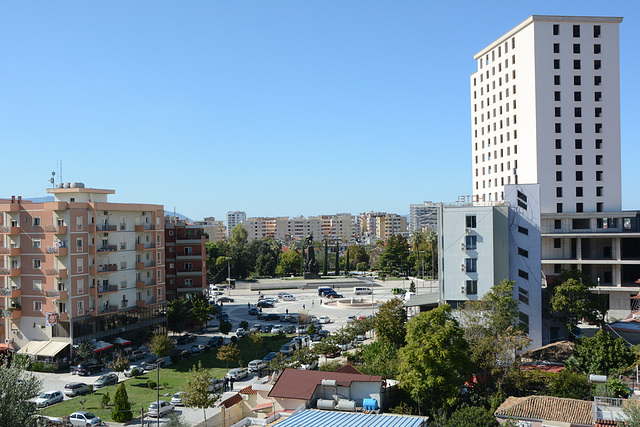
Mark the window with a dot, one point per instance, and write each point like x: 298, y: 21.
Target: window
x: 79, y: 223
x: 188, y: 283
x: 576, y: 64
x: 577, y: 96
x: 577, y: 112
x: 471, y: 221
x: 597, y: 64
x: 523, y: 274
x: 599, y: 191
x: 596, y: 31
x: 557, y: 224
x: 598, y: 144
x: 578, y: 191
x: 558, y: 144
x: 578, y: 128
x: 559, y: 207
x: 578, y: 159
x: 597, y: 80
x: 37, y: 263
x: 576, y: 48
x: 598, y: 159
x: 598, y: 112
x: 557, y: 243
x: 80, y: 286
x: 598, y: 96
x: 558, y: 175
x: 523, y: 230
x: 599, y: 175
x: 579, y: 207
x: 556, y: 80
x: 556, y: 48
x: 556, y: 64
x: 471, y: 265
x: 578, y: 144
x: 558, y: 191
x: 79, y: 265
x: 596, y: 49
x: 37, y: 306
x: 558, y: 112
x: 578, y: 175
x: 37, y: 243
x: 471, y: 242
x: 598, y: 127
x: 523, y: 252
x: 523, y: 295
x: 556, y: 95
x: 558, y: 127
x: 577, y: 80
x: 556, y: 29
x: 36, y: 221
x: 37, y: 285
x: 576, y: 31
x: 471, y: 287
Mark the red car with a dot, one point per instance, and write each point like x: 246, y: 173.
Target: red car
x: 333, y: 354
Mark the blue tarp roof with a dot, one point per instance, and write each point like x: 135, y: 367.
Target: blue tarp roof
x: 318, y: 418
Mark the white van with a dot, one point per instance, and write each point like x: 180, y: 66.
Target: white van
x: 256, y: 365
x: 362, y: 291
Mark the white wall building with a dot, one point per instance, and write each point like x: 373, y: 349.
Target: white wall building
x: 423, y: 215
x: 545, y: 104
x: 234, y: 218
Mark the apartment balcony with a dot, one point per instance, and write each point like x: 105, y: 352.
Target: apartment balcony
x: 123, y: 246
x: 189, y: 257
x: 144, y: 303
x: 105, y: 309
x: 188, y: 240
x: 55, y: 250
x: 54, y: 272
x: 64, y: 316
x: 9, y: 271
x: 10, y: 230
x: 142, y: 284
x: 188, y: 273
x: 108, y: 248
x: 105, y: 228
x: 145, y: 246
x: 9, y: 292
x: 122, y: 227
x: 123, y: 284
x: 10, y: 251
x: 144, y: 227
x: 139, y: 265
x: 150, y: 264
x: 107, y: 289
x: 104, y: 269
x: 54, y: 293
x: 13, y: 314
x: 56, y: 229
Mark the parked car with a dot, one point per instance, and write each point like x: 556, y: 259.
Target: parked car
x: 277, y: 329
x: 215, y: 384
x: 398, y: 291
x: 288, y: 297
x: 310, y: 366
x: 267, y: 328
x: 84, y: 418
x: 269, y: 357
x: 324, y: 319
x: 272, y: 316
x: 289, y: 329
x: 240, y: 332
x: 237, y: 374
x: 195, y: 349
x: 255, y: 328
x: 253, y: 310
x: 185, y: 339
x: 127, y: 372
x: 211, y: 329
x: 177, y: 399
x: 48, y: 398
x: 256, y: 365
x: 151, y: 364
x: 105, y: 380
x: 137, y: 355
x: 264, y: 304
x: 75, y: 389
x: 89, y: 368
x: 225, y: 299
x: 351, y: 318
x: 160, y: 408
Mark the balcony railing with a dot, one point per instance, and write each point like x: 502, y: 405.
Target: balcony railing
x: 108, y: 309
x: 108, y: 288
x: 123, y: 284
x: 106, y: 227
x: 108, y: 248
x: 57, y: 229
x: 123, y: 227
x: 107, y: 268
x: 123, y: 246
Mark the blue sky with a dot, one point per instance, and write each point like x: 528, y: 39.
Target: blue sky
x: 277, y: 108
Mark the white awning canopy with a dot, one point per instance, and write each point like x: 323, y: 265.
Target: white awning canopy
x: 32, y: 347
x: 51, y: 348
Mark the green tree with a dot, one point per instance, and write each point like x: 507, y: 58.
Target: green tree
x: 196, y: 393
x: 380, y: 358
x: 394, y: 254
x: 238, y: 249
x: 602, y: 354
x: 337, y: 266
x: 18, y: 387
x: 472, y: 416
x: 325, y: 270
x: 177, y: 314
x: 121, y: 406
x: 631, y: 411
x: 289, y: 263
x: 228, y: 353
x: 390, y: 322
x: 201, y: 310
x: 119, y: 364
x: 267, y: 252
x: 572, y: 300
x: 217, y: 253
x: 175, y: 420
x: 347, y: 267
x: 572, y: 385
x: 324, y: 346
x: 358, y: 254
x: 434, y: 364
x: 225, y: 327
x: 85, y: 349
x: 256, y: 340
x: 160, y: 345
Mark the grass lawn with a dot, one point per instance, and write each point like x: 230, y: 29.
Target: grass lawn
x: 174, y: 375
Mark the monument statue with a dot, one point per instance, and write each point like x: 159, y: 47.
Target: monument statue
x: 311, y: 268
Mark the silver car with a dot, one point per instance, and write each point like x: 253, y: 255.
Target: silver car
x: 49, y: 398
x: 75, y: 389
x: 84, y: 418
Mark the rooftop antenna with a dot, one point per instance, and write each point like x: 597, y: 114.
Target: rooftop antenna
x: 52, y: 180
x: 60, y: 173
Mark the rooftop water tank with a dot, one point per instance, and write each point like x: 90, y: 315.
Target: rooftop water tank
x: 67, y: 185
x: 370, y: 404
x: 60, y: 185
x: 346, y: 405
x: 326, y: 404
x: 330, y: 383
x: 77, y: 185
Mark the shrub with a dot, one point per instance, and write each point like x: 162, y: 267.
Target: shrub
x: 234, y: 339
x: 135, y: 372
x: 152, y: 384
x: 122, y: 408
x: 105, y: 400
x: 472, y: 416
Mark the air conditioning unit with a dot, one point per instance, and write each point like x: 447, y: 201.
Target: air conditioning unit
x: 463, y: 246
x: 8, y: 341
x: 463, y: 290
x: 468, y: 230
x: 106, y: 213
x: 463, y: 268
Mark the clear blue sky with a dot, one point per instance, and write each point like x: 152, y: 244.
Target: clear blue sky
x: 271, y: 107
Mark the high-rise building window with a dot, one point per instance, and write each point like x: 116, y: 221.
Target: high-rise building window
x: 577, y: 112
x: 598, y: 144
x: 556, y: 48
x: 596, y: 49
x: 598, y: 112
x: 578, y: 175
x: 578, y: 160
x: 599, y: 175
x: 598, y: 127
x: 558, y: 127
x: 556, y: 64
x: 557, y: 224
x: 556, y: 80
x: 578, y: 144
x: 556, y: 95
x: 558, y: 191
x: 558, y: 176
x: 558, y: 144
x: 558, y: 160
x: 578, y: 127
x: 556, y: 29
x: 599, y: 191
x: 576, y: 64
x: 559, y: 207
x: 596, y: 31
x: 598, y: 159
x: 576, y: 31
x: 579, y: 207
x: 577, y: 81
x: 597, y: 80
x: 577, y: 96
x: 558, y: 111
x: 576, y: 48
x: 598, y: 96
x: 597, y: 64
x: 599, y: 207
x: 579, y: 192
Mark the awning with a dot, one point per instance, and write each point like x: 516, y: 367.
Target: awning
x: 32, y: 347
x: 262, y: 406
x: 52, y: 348
x: 101, y: 345
x: 121, y: 341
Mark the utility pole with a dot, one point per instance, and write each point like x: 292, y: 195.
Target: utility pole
x: 422, y: 253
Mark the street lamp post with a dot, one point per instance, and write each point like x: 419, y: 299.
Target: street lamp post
x: 422, y: 253
x: 228, y: 276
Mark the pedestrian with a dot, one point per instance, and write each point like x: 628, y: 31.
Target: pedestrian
x: 231, y: 384
x: 226, y: 384
x: 313, y: 302
x: 303, y: 306
x: 287, y: 311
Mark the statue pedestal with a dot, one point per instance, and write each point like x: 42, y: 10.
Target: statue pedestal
x: 307, y: 275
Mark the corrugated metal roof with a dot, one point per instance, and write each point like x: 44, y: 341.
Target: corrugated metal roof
x: 317, y: 418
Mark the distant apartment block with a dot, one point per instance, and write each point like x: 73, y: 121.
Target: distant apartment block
x: 380, y: 225
x: 186, y: 258
x: 285, y: 229
x: 80, y: 268
x: 423, y: 216
x: 234, y: 218
x: 216, y: 230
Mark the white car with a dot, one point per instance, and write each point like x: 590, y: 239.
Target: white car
x: 160, y: 408
x: 127, y: 372
x: 237, y: 374
x: 310, y: 366
x: 288, y: 297
x: 240, y: 332
x: 84, y: 418
x: 324, y: 319
x: 177, y: 398
x: 49, y: 398
x: 256, y: 365
x: 276, y: 329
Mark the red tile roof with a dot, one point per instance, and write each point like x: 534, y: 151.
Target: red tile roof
x: 229, y: 402
x: 301, y: 384
x: 248, y: 390
x: 348, y: 368
x: 548, y: 409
